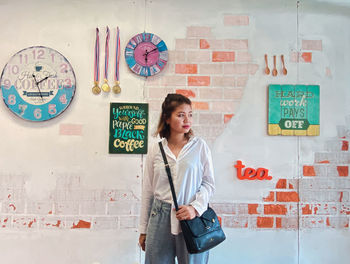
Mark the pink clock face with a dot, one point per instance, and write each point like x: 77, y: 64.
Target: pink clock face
x: 146, y: 54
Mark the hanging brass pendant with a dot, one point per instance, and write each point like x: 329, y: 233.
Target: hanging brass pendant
x: 116, y: 88
x: 96, y: 89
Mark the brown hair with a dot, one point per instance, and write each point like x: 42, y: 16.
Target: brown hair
x: 171, y: 102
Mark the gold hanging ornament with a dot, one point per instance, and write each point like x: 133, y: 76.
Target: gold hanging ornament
x: 96, y: 89
x: 116, y: 88
x: 105, y: 87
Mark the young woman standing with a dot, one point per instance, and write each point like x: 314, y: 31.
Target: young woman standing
x: 192, y: 172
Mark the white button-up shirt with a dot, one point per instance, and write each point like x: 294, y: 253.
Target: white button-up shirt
x: 193, y: 176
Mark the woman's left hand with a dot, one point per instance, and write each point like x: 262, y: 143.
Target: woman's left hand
x: 186, y: 212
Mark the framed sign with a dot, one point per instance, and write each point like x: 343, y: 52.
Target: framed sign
x: 294, y: 110
x: 128, y: 128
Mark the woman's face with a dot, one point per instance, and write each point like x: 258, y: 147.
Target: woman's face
x: 180, y: 121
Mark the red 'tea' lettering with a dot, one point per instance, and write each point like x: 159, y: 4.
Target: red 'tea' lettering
x: 250, y: 173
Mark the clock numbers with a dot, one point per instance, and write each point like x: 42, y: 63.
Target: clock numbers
x: 22, y: 108
x: 23, y: 58
x: 138, y: 39
x: 156, y: 40
x: 6, y: 84
x: 12, y: 69
x: 63, y: 99
x: 11, y: 99
x: 137, y: 68
x: 52, y: 109
x: 37, y: 113
x: 38, y: 54
x: 147, y: 37
x: 163, y: 56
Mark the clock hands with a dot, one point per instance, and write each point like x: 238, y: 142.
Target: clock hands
x: 148, y: 52
x: 43, y: 79
x: 36, y: 83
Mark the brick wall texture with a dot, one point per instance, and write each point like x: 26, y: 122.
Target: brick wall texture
x: 318, y: 199
x: 213, y: 73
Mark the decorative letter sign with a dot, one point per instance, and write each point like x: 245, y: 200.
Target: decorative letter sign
x: 294, y: 110
x: 128, y: 128
x: 250, y: 173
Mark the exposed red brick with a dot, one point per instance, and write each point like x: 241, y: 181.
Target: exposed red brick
x: 187, y: 93
x: 287, y: 197
x: 223, y: 56
x: 204, y: 44
x: 200, y: 105
x: 252, y: 208
x: 324, y: 161
x: 327, y: 222
x: 270, y: 198
x: 309, y: 171
x: 343, y: 171
x: 306, y: 56
x: 306, y: 210
x: 198, y: 80
x: 345, y: 145
x: 264, y: 222
x: 82, y: 224
x: 227, y: 118
x: 281, y: 184
x: 186, y: 68
x: 220, y: 220
x: 291, y: 186
x: 278, y: 222
x: 275, y: 209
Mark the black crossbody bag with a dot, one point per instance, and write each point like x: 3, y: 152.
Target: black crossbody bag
x: 201, y: 233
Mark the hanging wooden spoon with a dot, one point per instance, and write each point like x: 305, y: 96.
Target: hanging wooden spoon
x: 274, y: 70
x: 267, y: 70
x: 284, y: 70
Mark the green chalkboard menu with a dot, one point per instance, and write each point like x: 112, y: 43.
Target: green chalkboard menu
x: 128, y: 128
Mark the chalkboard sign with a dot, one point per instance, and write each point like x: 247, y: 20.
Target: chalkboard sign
x: 128, y: 128
x: 294, y: 110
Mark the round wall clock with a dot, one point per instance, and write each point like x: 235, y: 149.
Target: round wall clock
x: 146, y: 54
x: 38, y: 83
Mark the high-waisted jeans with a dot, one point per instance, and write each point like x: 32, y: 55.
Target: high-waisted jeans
x: 161, y: 246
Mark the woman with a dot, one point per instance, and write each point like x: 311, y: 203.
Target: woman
x: 192, y: 172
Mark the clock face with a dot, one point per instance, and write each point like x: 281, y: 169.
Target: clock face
x: 38, y: 83
x: 146, y: 54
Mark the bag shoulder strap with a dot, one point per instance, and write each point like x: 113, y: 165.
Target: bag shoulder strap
x: 167, y: 169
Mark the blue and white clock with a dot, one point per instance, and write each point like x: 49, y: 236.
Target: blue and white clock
x: 38, y: 83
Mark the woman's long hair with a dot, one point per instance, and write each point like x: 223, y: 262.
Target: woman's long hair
x: 171, y: 102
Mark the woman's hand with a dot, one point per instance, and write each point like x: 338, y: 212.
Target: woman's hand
x: 186, y: 212
x: 142, y: 241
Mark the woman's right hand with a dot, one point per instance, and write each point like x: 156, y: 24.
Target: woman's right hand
x: 142, y: 241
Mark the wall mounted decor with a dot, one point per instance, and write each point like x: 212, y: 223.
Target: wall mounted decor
x: 294, y: 110
x: 128, y: 128
x: 96, y: 89
x: 116, y: 88
x: 146, y: 54
x: 105, y: 87
x: 38, y: 83
x: 250, y: 173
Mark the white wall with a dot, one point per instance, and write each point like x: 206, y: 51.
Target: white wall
x: 42, y: 155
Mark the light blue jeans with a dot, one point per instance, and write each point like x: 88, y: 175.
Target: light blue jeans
x: 161, y: 246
